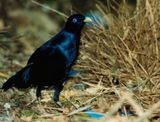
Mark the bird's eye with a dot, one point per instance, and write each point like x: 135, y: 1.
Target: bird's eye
x: 74, y: 20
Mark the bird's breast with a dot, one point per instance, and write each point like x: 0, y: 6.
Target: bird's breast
x: 70, y: 51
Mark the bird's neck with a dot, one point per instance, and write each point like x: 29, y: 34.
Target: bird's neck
x: 72, y: 29
x: 73, y: 37
x: 76, y: 33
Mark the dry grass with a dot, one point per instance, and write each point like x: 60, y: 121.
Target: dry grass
x: 128, y: 52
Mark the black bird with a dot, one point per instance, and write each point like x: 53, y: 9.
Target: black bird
x: 50, y: 65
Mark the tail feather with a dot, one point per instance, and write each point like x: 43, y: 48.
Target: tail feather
x: 20, y: 80
x: 9, y: 83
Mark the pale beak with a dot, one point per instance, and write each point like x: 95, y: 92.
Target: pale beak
x: 87, y: 19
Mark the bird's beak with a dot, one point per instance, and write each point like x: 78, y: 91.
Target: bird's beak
x: 87, y: 19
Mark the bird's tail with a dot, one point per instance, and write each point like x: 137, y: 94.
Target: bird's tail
x: 9, y: 83
x: 20, y: 80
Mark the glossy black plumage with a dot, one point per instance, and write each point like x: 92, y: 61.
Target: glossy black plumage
x: 50, y: 64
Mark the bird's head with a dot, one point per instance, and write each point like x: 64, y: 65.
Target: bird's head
x: 76, y: 22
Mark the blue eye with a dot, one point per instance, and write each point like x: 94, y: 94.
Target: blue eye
x: 74, y: 20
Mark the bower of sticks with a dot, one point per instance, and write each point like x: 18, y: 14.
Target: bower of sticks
x: 118, y: 68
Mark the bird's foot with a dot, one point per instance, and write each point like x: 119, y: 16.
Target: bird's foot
x: 39, y: 100
x: 59, y: 104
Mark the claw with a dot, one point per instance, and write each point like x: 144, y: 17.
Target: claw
x: 39, y: 99
x: 59, y: 104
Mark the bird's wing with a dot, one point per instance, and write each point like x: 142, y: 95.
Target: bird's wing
x: 40, y: 54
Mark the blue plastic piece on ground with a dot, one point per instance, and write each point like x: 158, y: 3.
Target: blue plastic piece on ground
x: 97, y: 19
x: 73, y: 73
x: 79, y: 86
x: 94, y: 114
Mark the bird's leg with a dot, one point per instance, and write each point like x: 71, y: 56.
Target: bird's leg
x: 56, y: 95
x: 38, y: 93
